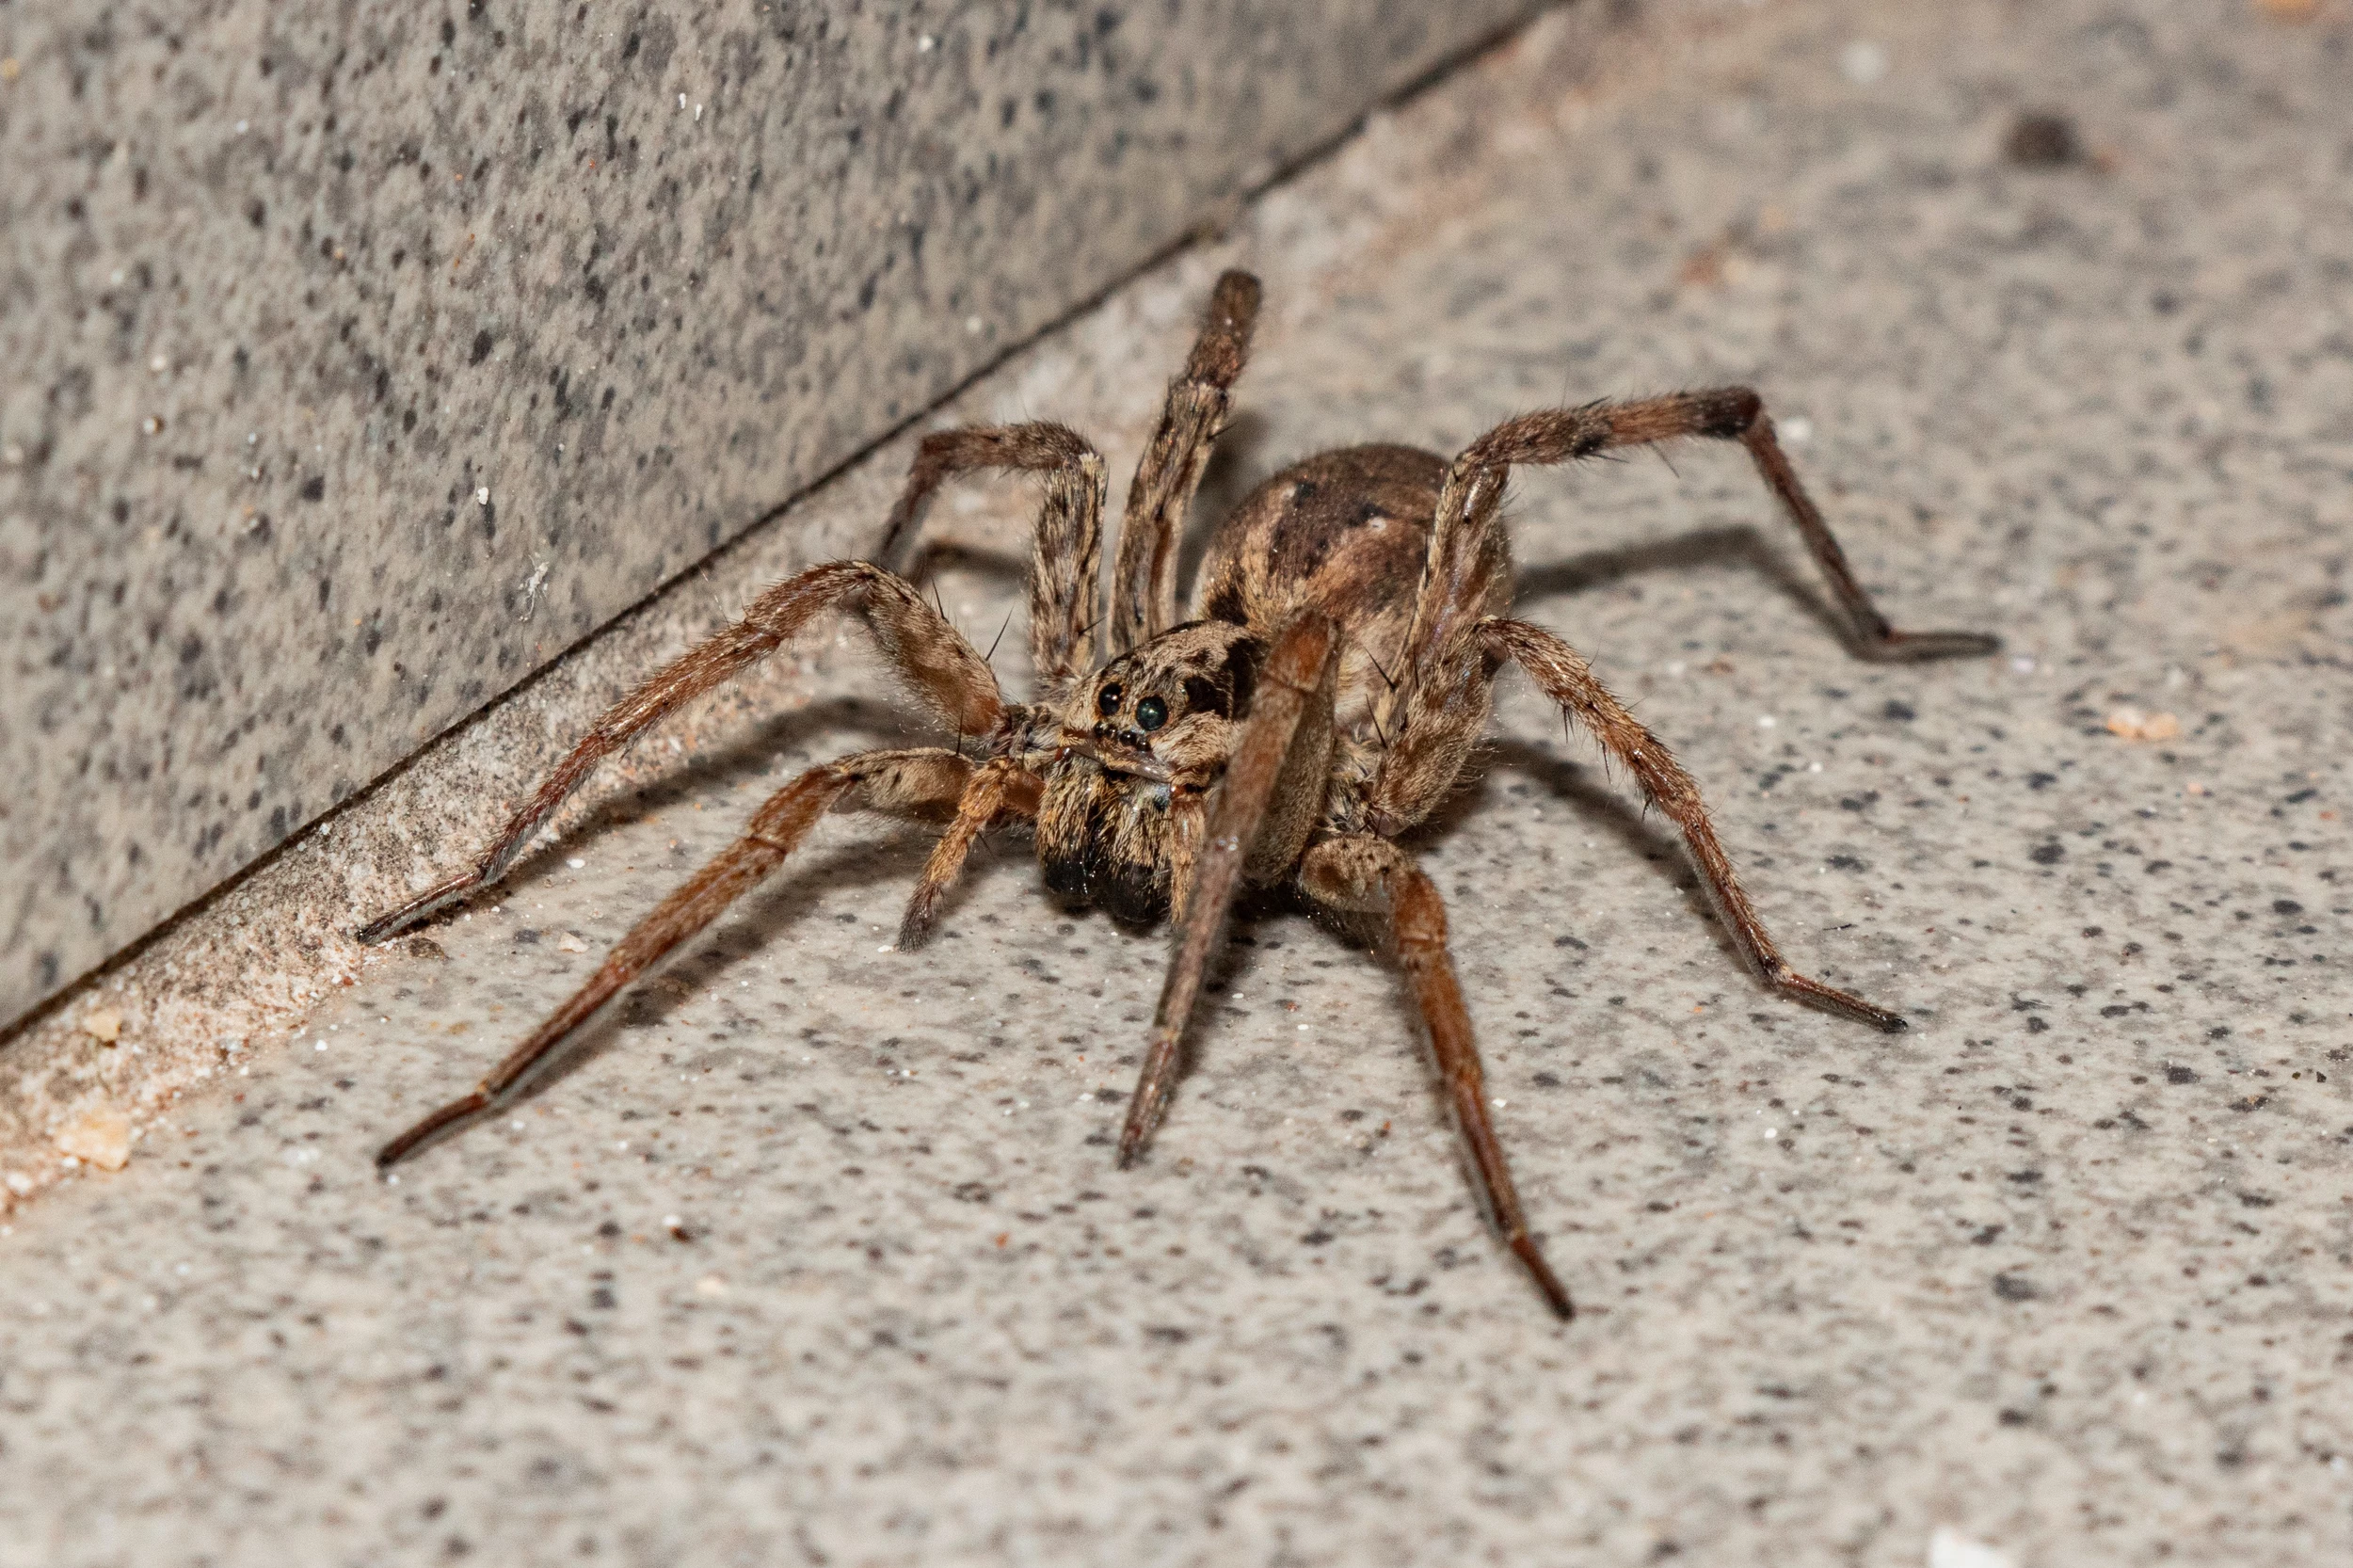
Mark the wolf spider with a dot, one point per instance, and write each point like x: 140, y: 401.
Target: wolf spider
x: 1349, y: 624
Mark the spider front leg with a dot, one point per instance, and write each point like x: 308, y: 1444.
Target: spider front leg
x: 1361, y: 873
x: 1144, y: 576
x: 1265, y: 805
x: 904, y: 782
x: 940, y: 667
x: 1566, y: 678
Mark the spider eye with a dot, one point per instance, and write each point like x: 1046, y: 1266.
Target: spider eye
x: 1151, y: 713
x: 1108, y: 702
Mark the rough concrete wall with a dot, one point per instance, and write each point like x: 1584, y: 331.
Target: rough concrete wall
x: 362, y: 359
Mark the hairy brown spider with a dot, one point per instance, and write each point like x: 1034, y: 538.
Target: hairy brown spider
x: 1348, y: 627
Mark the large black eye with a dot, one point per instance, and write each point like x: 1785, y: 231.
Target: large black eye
x: 1108, y: 703
x: 1151, y: 713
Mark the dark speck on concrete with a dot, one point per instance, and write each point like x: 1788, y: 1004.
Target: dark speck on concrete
x: 2041, y: 139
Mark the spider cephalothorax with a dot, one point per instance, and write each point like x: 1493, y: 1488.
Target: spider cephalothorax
x: 1121, y: 819
x: 1350, y: 622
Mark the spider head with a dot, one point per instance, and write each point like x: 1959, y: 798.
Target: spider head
x: 1142, y: 741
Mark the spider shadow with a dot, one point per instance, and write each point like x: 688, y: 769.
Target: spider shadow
x: 899, y: 855
x: 1738, y: 544
x: 1599, y: 808
x: 699, y: 965
x: 1575, y: 785
x: 738, y: 761
x: 1003, y: 567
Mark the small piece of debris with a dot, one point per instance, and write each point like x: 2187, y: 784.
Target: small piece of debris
x: 710, y: 1285
x: 2041, y: 139
x: 426, y: 947
x: 2131, y: 724
x: 1703, y: 268
x: 103, y: 1025
x: 101, y: 1138
x: 570, y: 942
x: 2289, y: 11
x: 1949, y: 1549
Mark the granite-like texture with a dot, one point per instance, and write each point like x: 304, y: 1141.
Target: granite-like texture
x: 818, y: 1253
x: 364, y: 357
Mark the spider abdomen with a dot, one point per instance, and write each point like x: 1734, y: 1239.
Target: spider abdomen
x: 1345, y: 533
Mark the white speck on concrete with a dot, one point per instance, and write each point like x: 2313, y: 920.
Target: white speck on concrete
x: 1949, y: 1549
x: 1862, y: 62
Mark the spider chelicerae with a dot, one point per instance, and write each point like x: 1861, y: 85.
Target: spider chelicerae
x: 1349, y: 624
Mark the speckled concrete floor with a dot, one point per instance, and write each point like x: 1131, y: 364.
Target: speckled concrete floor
x: 818, y: 1253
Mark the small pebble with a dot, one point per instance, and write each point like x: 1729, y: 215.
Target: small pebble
x: 2131, y: 724
x: 101, y: 1138
x: 105, y: 1026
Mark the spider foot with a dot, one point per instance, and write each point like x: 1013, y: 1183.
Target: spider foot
x: 1829, y: 998
x: 416, y: 910
x: 1556, y: 1293
x: 425, y: 1131
x: 1913, y: 647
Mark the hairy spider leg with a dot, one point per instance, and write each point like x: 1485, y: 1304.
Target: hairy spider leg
x: 1067, y: 549
x: 1143, y: 574
x: 1359, y: 874
x: 1548, y: 436
x: 1267, y: 805
x: 939, y: 667
x: 902, y: 783
x: 1567, y: 680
